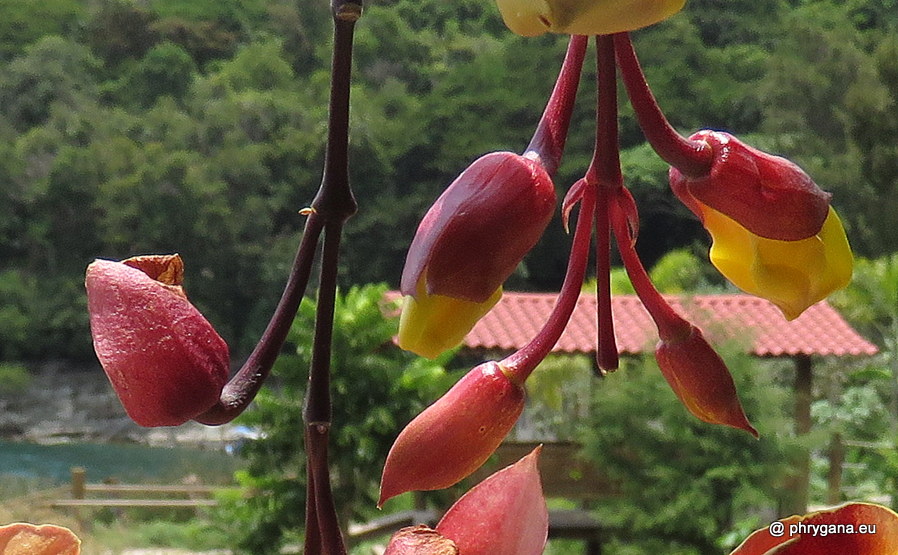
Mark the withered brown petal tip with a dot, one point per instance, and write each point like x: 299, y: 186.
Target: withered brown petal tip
x: 420, y: 540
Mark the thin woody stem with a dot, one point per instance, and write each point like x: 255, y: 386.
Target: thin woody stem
x: 520, y: 365
x: 693, y: 158
x: 242, y: 388
x: 332, y: 206
x: 551, y: 133
x: 336, y: 203
x: 605, y: 170
x: 317, y: 408
x: 335, y: 198
x: 333, y: 202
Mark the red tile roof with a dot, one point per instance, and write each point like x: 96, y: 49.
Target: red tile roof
x: 820, y: 330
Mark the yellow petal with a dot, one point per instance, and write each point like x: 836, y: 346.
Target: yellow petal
x: 791, y: 274
x: 584, y: 17
x: 432, y: 324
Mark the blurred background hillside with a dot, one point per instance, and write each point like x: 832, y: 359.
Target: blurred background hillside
x: 197, y: 127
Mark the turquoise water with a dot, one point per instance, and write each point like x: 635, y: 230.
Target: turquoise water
x: 125, y: 463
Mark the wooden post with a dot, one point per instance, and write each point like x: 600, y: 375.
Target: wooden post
x: 79, y: 481
x: 79, y: 488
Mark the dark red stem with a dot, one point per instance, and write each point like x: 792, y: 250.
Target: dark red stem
x: 521, y: 364
x: 693, y: 158
x: 326, y: 538
x: 335, y: 202
x: 605, y: 170
x: 242, y: 388
x: 551, y: 133
x: 332, y: 206
x: 670, y: 324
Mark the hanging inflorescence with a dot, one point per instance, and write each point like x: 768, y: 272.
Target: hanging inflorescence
x: 774, y: 235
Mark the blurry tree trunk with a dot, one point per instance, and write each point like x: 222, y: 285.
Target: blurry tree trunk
x: 795, y: 499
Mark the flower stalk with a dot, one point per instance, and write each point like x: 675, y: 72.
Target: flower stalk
x: 519, y: 365
x: 547, y: 144
x: 606, y: 171
x: 693, y: 158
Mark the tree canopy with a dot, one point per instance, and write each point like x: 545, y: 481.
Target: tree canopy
x: 197, y: 127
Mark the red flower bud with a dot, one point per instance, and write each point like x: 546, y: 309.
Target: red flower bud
x: 479, y: 229
x: 164, y: 360
x: 701, y: 379
x: 768, y: 195
x: 503, y: 515
x: 455, y: 435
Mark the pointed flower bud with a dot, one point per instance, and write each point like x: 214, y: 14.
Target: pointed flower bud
x: 856, y: 528
x: 768, y: 195
x: 164, y: 360
x: 451, y: 438
x: 469, y: 242
x: 584, y: 17
x: 505, y: 514
x: 700, y: 379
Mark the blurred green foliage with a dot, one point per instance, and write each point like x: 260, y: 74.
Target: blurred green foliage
x: 14, y: 378
x: 685, y: 486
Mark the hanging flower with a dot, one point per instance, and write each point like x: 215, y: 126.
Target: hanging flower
x: 768, y: 195
x: 164, y: 360
x: 469, y: 242
x: 584, y: 17
x: 451, y: 438
x: 773, y: 232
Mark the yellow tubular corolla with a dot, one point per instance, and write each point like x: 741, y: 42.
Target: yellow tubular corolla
x: 791, y: 274
x: 432, y: 324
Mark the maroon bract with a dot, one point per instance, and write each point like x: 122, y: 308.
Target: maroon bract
x: 768, y: 195
x: 479, y: 229
x: 455, y: 435
x: 503, y: 515
x: 164, y: 360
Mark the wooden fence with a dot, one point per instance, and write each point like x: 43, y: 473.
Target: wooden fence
x: 102, y: 495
